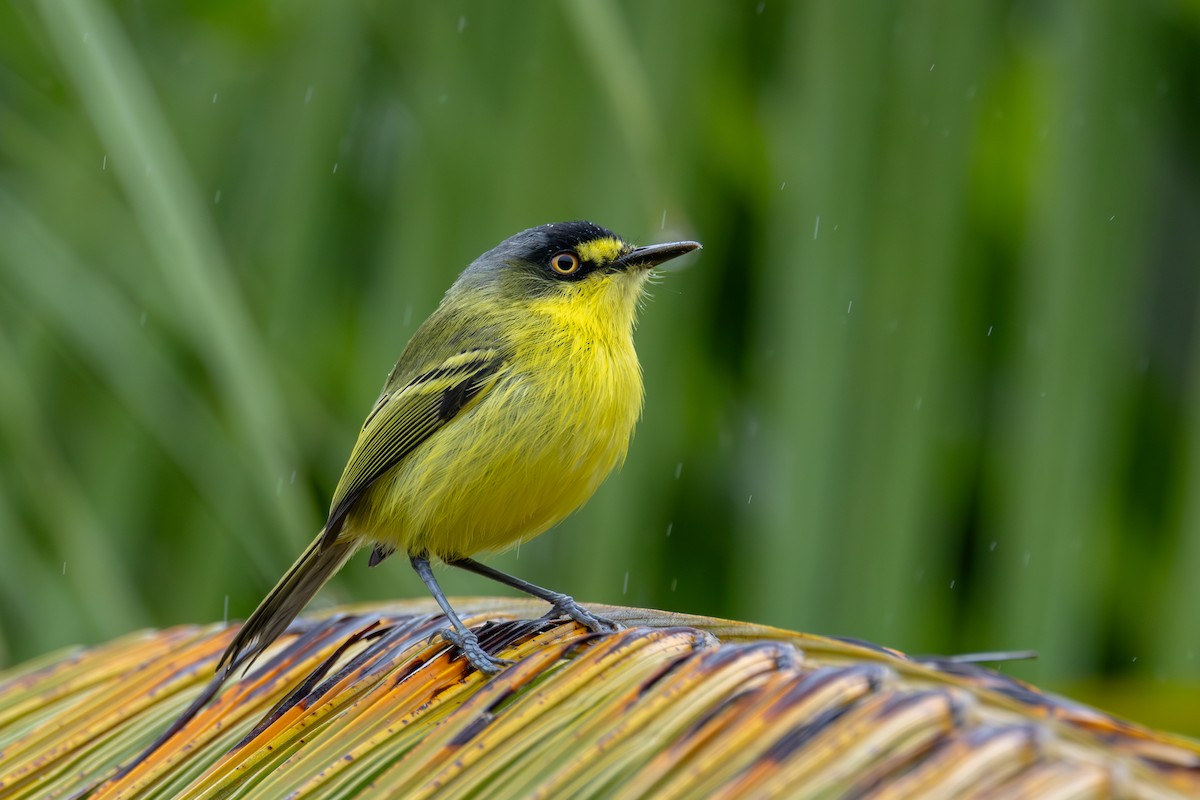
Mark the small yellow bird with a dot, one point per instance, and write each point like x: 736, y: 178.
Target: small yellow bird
x: 506, y: 410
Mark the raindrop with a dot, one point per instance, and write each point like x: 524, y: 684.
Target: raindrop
x: 104, y: 162
x: 817, y: 227
x: 990, y: 330
x: 64, y: 568
x: 670, y: 525
x: 782, y: 186
x: 308, y: 95
x: 917, y: 405
x: 335, y: 165
x: 214, y: 98
x: 663, y: 227
x: 678, y: 470
x: 625, y: 586
x: 462, y: 23
x: 674, y: 583
x: 1027, y: 558
x: 217, y: 198
x: 952, y: 584
x: 931, y: 66
x: 993, y: 546
x: 748, y: 499
x: 293, y: 479
x: 761, y: 7
x: 225, y: 615
x: 849, y: 306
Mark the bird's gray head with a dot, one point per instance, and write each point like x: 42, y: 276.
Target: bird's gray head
x: 563, y: 257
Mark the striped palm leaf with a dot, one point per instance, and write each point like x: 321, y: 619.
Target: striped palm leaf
x: 366, y: 702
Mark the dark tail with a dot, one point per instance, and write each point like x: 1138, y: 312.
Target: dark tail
x: 277, y: 610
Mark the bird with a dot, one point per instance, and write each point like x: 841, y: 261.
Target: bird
x: 506, y: 410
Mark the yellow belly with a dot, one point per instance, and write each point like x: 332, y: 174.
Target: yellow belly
x: 526, y: 455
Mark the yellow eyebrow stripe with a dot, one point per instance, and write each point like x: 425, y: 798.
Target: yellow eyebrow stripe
x: 602, y: 251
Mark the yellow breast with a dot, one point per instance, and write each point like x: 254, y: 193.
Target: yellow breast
x: 557, y: 421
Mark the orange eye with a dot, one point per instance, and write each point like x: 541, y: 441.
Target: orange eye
x: 565, y: 263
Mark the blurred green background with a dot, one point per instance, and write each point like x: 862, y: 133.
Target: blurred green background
x: 934, y: 380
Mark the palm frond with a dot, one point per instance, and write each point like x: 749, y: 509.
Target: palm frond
x: 367, y: 702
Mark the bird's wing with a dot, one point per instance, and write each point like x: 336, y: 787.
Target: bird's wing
x: 404, y: 417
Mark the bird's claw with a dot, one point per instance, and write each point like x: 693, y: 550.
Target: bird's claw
x: 468, y: 645
x: 565, y: 606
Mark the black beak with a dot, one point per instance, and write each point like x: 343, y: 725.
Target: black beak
x: 654, y: 254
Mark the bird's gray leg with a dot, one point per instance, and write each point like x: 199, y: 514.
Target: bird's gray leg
x: 563, y: 605
x: 457, y: 633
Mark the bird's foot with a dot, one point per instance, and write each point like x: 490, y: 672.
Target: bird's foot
x: 565, y: 606
x: 468, y: 644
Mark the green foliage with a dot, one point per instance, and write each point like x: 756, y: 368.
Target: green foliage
x: 932, y: 382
